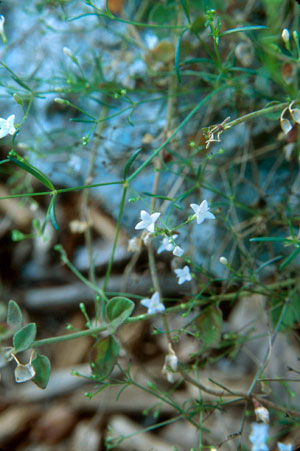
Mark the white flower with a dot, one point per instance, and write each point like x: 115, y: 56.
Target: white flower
x: 223, y: 260
x: 166, y: 245
x: 153, y: 305
x: 202, y: 211
x: 183, y: 275
x: 259, y: 436
x: 7, y: 126
x: 147, y: 221
x: 285, y: 447
x: 178, y: 251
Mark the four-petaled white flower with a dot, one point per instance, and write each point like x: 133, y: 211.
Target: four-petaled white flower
x: 259, y: 436
x: 178, y: 251
x: 153, y: 305
x: 202, y: 211
x: 7, y: 126
x: 147, y: 221
x: 166, y: 245
x: 183, y: 275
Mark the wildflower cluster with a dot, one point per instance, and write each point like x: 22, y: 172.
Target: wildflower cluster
x: 147, y: 224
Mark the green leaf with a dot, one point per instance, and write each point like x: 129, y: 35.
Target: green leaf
x: 289, y: 259
x: 16, y: 78
x: 292, y: 314
x: 14, y: 315
x: 104, y: 356
x: 129, y: 162
x: 52, y: 214
x: 185, y: 7
x: 209, y: 326
x: 177, y: 56
x: 22, y: 163
x: 246, y: 28
x: 118, y: 309
x: 163, y: 14
x: 269, y: 238
x: 42, y: 367
x: 24, y: 337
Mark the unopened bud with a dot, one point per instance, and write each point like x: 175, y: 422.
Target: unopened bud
x: 296, y: 36
x: 24, y: 373
x: 285, y: 36
x: 2, y: 32
x: 68, y: 52
x: 262, y: 414
x: 295, y: 113
x: 286, y: 126
x: 61, y: 101
x: 223, y: 261
x: 18, y: 99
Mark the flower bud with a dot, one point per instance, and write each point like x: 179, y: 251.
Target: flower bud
x: 286, y: 126
x: 68, y: 52
x: 296, y: 36
x: 262, y: 414
x: 295, y: 113
x: 2, y: 32
x: 285, y: 36
x: 24, y: 373
x: 223, y: 260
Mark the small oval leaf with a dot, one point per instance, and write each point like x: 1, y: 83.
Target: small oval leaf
x: 14, y: 315
x: 42, y: 367
x: 24, y: 337
x: 118, y: 308
x: 104, y: 356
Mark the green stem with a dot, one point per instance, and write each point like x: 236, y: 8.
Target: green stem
x: 247, y: 117
x: 82, y: 333
x: 63, y: 190
x: 109, y: 267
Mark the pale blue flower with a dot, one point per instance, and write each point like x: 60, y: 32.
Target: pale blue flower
x: 166, y: 245
x: 178, y: 251
x: 147, y: 221
x: 259, y: 436
x: 285, y: 447
x: 202, y: 211
x: 184, y: 275
x: 7, y: 126
x: 153, y: 305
